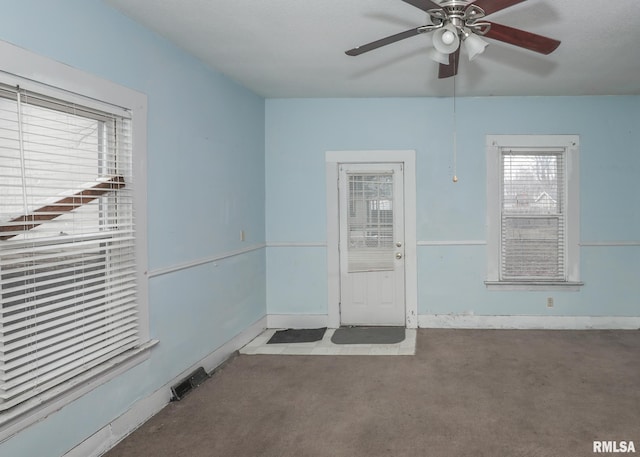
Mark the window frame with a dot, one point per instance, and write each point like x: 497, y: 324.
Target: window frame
x: 569, y: 144
x: 43, y: 75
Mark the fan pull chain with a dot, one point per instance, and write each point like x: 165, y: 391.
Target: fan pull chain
x: 455, y: 131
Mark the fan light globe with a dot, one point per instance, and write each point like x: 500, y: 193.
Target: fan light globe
x: 446, y: 39
x: 474, y: 45
x: 438, y: 56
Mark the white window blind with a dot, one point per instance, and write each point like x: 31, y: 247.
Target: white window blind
x: 533, y: 215
x: 370, y: 222
x: 67, y: 258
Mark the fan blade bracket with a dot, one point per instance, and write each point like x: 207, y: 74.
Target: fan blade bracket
x: 480, y: 28
x: 437, y: 15
x: 429, y: 28
x: 473, y: 13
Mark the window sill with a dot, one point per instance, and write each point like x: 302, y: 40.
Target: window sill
x: 565, y: 286
x: 22, y: 416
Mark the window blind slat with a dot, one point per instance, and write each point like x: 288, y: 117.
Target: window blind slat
x: 68, y: 365
x: 11, y: 399
x: 16, y: 280
x: 15, y: 372
x: 17, y: 291
x: 63, y: 246
x: 51, y: 352
x: 58, y: 306
x: 70, y: 309
x: 14, y: 356
x: 87, y: 317
x: 44, y: 277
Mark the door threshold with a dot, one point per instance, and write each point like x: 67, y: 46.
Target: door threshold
x: 327, y: 347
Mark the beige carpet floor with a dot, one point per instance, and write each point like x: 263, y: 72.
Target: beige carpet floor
x: 512, y: 393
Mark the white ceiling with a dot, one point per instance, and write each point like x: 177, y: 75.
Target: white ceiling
x: 295, y: 48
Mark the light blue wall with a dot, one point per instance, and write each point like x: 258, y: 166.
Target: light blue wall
x: 451, y: 278
x: 205, y: 184
x: 297, y: 279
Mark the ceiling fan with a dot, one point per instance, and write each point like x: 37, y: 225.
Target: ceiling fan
x: 462, y: 21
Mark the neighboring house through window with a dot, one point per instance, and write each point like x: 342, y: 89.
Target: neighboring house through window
x: 533, y: 204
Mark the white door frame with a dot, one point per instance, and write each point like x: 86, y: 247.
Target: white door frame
x: 332, y: 161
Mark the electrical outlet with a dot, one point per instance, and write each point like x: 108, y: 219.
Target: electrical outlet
x: 549, y: 302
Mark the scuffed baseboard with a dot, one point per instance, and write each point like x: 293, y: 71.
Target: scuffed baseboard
x: 111, y: 434
x: 463, y: 321
x: 297, y: 320
x: 277, y: 321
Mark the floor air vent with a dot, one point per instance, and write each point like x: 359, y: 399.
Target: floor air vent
x: 188, y: 384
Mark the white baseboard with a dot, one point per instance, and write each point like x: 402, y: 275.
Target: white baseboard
x: 111, y: 434
x: 297, y: 320
x: 528, y: 322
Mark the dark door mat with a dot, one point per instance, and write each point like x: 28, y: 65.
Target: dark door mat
x: 368, y: 335
x: 305, y: 335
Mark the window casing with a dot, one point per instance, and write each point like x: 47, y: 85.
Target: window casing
x: 533, y: 204
x: 73, y: 292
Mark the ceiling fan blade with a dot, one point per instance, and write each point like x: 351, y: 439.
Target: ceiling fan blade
x: 492, y: 6
x: 383, y: 42
x: 424, y: 5
x: 522, y: 38
x: 446, y: 71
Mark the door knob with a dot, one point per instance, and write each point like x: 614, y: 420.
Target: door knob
x: 398, y: 255
x: 398, y: 244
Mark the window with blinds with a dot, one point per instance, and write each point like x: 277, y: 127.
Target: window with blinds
x: 533, y: 212
x: 533, y: 215
x: 370, y: 222
x: 67, y: 230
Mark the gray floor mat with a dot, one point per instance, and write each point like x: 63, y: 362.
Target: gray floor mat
x: 305, y: 335
x: 368, y: 335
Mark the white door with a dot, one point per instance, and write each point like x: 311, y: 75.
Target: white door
x: 372, y: 267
